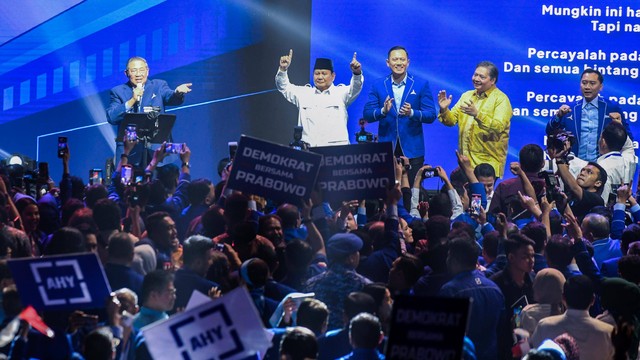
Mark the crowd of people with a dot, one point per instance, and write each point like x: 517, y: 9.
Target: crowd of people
x: 550, y: 257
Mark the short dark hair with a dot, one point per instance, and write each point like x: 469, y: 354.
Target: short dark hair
x: 168, y: 174
x: 558, y: 252
x: 364, y: 331
x: 397, y: 47
x: 515, y: 242
x: 593, y: 71
x: 236, y: 206
x: 121, y: 246
x: 213, y: 223
x: 490, y: 243
x: 531, y: 158
x: 107, y: 215
x: 493, y: 70
x: 198, y: 191
x: 358, y: 302
x: 484, y: 170
x: 157, y: 281
x: 298, y: 254
x: 440, y: 204
x: 615, y: 135
x: 299, y: 343
x: 578, y: 292
x: 602, y: 174
x: 438, y: 227
x: 289, y: 215
x: 66, y: 240
x: 411, y: 267
x: 537, y: 232
x: 195, y: 247
x: 464, y: 251
x: 312, y: 314
x: 629, y: 235
x: 95, y: 193
x: 98, y: 344
x: 153, y: 223
x: 377, y: 292
x: 629, y: 268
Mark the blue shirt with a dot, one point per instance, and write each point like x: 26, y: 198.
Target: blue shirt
x: 363, y: 354
x: 588, y: 149
x: 487, y: 309
x: 148, y: 316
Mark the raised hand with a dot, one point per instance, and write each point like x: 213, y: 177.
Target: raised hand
x: 356, y: 68
x: 285, y: 60
x: 469, y: 108
x: 515, y: 168
x: 184, y: 88
x: 443, y: 100
x: 405, y: 110
x: 388, y: 103
x: 563, y: 110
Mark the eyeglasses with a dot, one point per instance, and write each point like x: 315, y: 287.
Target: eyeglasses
x: 137, y: 71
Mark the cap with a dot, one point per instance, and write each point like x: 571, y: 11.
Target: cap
x: 323, y: 64
x: 343, y: 244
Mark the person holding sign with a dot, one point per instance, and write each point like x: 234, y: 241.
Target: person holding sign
x: 483, y: 116
x: 323, y: 107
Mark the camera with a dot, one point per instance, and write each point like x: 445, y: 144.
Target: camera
x: 429, y: 172
x: 126, y: 174
x: 219, y: 247
x: 557, y: 139
x: 130, y: 133
x: 552, y: 184
x: 133, y: 197
x: 363, y: 136
x: 297, y: 142
x: 95, y: 176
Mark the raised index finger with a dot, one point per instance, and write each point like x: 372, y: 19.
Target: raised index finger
x: 354, y: 55
x: 290, y: 53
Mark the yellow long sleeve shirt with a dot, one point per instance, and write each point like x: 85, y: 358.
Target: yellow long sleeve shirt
x: 484, y: 139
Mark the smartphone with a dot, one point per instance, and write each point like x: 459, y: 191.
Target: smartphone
x: 173, y: 148
x: 233, y: 147
x: 219, y: 247
x: 62, y: 146
x: 475, y: 205
x: 126, y: 173
x: 131, y: 133
x: 43, y: 171
x: 95, y: 176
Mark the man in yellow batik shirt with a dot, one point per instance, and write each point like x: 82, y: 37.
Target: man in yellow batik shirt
x: 483, y: 116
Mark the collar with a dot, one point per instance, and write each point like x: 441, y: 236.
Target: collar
x: 609, y: 154
x: 485, y: 94
x: 146, y: 311
x: 402, y: 82
x: 600, y: 241
x: 594, y: 102
x: 328, y: 91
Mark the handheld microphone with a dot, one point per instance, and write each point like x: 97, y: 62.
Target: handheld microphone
x: 139, y: 97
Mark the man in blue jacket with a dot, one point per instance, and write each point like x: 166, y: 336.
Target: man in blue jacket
x: 588, y: 116
x: 401, y: 103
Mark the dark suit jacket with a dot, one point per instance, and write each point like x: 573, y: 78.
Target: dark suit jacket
x: 418, y: 94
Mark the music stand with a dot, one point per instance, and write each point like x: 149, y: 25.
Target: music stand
x: 151, y: 128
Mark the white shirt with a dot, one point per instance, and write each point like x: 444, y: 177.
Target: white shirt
x: 618, y: 171
x: 322, y: 114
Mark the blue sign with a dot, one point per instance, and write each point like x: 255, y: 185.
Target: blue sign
x: 61, y: 282
x: 274, y: 171
x: 355, y: 172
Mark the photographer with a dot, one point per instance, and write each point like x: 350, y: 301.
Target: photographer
x: 562, y: 141
x: 585, y: 190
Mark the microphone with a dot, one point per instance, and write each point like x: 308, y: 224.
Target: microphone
x: 139, y: 97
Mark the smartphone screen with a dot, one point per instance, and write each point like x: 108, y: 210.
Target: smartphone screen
x: 126, y: 174
x: 95, y: 176
x: 173, y: 148
x: 62, y: 146
x: 476, y: 201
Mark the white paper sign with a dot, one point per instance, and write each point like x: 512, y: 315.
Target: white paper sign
x: 226, y: 328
